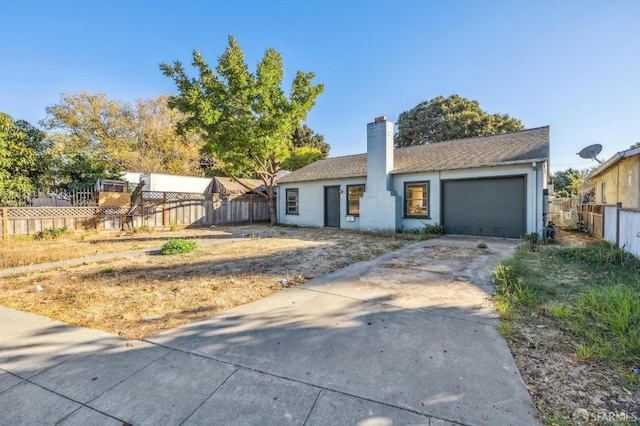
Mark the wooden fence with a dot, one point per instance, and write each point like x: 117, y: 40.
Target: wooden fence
x: 591, y: 216
x: 563, y: 212
x: 615, y: 224
x: 154, y: 210
x: 73, y: 198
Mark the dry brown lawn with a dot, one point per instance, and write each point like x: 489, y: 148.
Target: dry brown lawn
x: 142, y: 295
x: 29, y: 250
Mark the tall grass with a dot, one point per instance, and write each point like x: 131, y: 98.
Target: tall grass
x: 611, y: 321
x: 511, y: 294
x: 592, y: 292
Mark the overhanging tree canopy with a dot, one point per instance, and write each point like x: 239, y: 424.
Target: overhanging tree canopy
x: 245, y: 119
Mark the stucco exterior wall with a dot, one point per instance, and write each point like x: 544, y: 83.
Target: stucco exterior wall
x: 434, y: 199
x: 622, y: 183
x: 311, y: 196
x: 536, y: 178
x: 311, y: 203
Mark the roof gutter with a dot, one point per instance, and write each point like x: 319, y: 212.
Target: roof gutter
x: 501, y: 163
x: 322, y: 179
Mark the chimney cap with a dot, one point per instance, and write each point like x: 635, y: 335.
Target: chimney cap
x: 381, y: 118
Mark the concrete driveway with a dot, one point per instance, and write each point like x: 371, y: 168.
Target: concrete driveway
x: 407, y: 338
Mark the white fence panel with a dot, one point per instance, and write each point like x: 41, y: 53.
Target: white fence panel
x: 610, y: 223
x: 630, y: 231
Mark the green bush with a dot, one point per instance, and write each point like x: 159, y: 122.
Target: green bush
x: 427, y: 229
x: 52, y: 233
x: 178, y: 246
x: 433, y: 229
x: 532, y: 238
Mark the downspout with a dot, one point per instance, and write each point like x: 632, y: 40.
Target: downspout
x: 535, y: 199
x: 618, y: 186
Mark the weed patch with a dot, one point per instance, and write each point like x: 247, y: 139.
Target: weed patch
x: 52, y: 233
x: 178, y: 246
x: 584, y: 303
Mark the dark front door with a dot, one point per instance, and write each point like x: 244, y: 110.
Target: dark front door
x: 493, y: 207
x: 332, y: 206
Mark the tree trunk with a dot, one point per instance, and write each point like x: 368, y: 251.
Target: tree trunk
x: 272, y: 205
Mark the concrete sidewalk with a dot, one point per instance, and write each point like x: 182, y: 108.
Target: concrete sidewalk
x: 408, y: 338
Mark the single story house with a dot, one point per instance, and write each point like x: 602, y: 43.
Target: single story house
x: 486, y: 186
x: 617, y: 180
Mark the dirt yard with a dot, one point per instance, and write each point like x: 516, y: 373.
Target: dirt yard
x: 145, y: 294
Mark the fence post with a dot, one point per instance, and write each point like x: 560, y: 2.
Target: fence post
x: 97, y: 219
x: 250, y: 208
x: 213, y: 210
x: 5, y: 221
x: 142, y: 209
x: 164, y: 209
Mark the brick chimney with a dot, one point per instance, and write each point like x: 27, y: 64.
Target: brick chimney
x: 379, y: 207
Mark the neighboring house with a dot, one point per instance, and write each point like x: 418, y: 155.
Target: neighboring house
x: 618, y: 180
x: 486, y: 186
x: 161, y: 182
x: 226, y: 187
x: 229, y: 188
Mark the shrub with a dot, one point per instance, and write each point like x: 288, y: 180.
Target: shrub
x: 178, y: 246
x: 143, y: 228
x: 482, y: 246
x: 52, y: 233
x: 433, y: 229
x: 427, y: 229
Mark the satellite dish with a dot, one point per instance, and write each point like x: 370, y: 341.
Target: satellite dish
x: 590, y: 152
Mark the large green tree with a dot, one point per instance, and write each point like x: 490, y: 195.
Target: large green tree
x: 569, y: 182
x: 244, y: 118
x: 304, y: 136
x: 308, y: 147
x: 113, y: 134
x: 442, y: 119
x: 20, y: 147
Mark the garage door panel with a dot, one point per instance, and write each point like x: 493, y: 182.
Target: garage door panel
x: 485, y: 207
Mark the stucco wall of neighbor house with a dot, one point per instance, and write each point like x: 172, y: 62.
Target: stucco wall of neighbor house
x: 622, y: 183
x: 311, y: 203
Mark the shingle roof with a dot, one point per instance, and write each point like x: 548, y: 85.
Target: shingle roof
x: 505, y: 148
x: 227, y: 186
x: 330, y: 168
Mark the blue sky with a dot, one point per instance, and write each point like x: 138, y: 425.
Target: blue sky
x: 573, y: 65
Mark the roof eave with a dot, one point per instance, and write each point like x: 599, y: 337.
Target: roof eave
x: 321, y: 179
x: 613, y: 160
x: 475, y: 166
x: 604, y: 166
